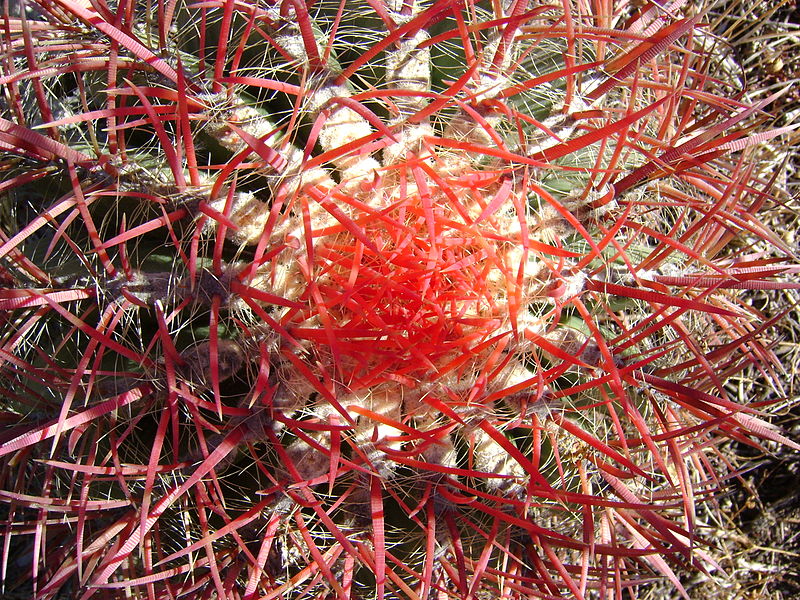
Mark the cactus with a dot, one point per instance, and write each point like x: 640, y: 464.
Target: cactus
x: 372, y: 299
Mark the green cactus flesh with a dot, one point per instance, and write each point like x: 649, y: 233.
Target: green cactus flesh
x: 370, y: 299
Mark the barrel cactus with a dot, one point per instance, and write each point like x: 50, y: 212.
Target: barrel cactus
x: 372, y: 298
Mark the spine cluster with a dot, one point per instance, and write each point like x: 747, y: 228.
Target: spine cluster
x: 370, y: 299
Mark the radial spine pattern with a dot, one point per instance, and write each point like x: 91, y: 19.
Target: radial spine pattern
x: 371, y: 299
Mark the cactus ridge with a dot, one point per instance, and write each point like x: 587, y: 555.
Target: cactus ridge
x: 372, y: 299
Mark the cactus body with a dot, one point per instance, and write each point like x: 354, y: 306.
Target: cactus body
x: 370, y: 299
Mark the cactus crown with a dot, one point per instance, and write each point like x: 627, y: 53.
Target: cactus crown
x: 371, y: 298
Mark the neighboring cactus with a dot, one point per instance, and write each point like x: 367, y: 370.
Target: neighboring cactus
x: 371, y: 299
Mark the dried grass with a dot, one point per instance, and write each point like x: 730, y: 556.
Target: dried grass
x: 758, y: 526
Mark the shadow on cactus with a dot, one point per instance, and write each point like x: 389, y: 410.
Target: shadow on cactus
x: 371, y: 299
